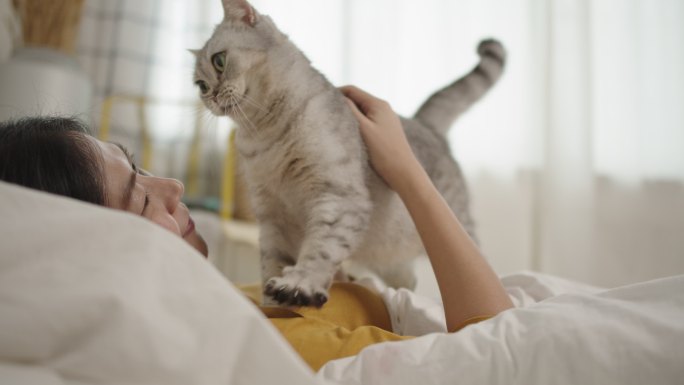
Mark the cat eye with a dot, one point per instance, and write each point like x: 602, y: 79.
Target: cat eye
x: 204, y: 88
x: 219, y: 61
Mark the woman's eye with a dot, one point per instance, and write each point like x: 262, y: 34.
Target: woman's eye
x: 147, y: 201
x: 219, y: 61
x: 204, y: 88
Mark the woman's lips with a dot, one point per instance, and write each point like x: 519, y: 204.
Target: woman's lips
x: 189, y: 228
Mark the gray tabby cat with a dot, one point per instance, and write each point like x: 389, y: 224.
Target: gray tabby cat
x: 316, y: 198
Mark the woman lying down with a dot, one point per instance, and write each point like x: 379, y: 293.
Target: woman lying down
x: 57, y: 155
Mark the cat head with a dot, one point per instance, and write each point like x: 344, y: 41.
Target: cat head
x: 229, y: 68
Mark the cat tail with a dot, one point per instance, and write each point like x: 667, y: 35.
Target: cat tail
x: 446, y: 105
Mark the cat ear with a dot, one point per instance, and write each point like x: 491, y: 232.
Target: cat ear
x: 239, y: 10
x: 195, y: 52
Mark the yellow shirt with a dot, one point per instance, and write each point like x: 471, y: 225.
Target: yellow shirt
x: 354, y: 317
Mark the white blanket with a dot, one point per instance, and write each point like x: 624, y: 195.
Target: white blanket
x: 93, y: 296
x: 560, y: 333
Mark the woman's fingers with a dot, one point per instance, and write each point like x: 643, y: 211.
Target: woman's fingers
x: 366, y: 102
x: 356, y: 94
x: 363, y: 120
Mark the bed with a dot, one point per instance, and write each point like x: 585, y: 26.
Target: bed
x: 93, y: 296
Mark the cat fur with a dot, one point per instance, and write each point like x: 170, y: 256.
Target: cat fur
x: 317, y: 200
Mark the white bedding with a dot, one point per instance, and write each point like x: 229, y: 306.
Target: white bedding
x: 89, y: 295
x: 93, y: 296
x: 561, y: 333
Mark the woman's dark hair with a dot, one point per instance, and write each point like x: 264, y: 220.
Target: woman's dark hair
x: 52, y: 154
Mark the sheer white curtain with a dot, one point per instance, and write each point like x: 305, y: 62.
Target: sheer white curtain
x: 575, y: 159
x: 611, y: 208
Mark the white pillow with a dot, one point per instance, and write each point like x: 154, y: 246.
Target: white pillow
x: 92, y: 295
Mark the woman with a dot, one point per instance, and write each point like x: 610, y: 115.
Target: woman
x: 58, y: 156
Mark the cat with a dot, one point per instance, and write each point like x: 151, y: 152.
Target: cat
x: 316, y: 198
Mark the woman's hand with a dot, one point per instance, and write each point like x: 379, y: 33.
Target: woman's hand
x: 390, y: 153
x: 469, y: 287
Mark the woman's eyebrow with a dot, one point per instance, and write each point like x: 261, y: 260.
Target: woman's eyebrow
x: 128, y: 192
x: 126, y: 152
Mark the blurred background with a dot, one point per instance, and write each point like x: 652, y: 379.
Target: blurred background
x: 575, y: 160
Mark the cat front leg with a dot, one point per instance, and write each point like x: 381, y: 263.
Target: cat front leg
x: 332, y: 235
x: 274, y: 257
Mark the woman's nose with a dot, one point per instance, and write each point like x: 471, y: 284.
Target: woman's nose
x: 175, y: 190
x: 170, y: 191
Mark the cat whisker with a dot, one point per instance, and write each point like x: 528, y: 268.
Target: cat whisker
x: 242, y: 118
x: 204, y: 115
x: 242, y: 112
x: 256, y: 104
x: 251, y: 104
x: 236, y: 117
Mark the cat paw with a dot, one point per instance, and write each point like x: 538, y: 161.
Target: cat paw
x: 269, y: 301
x: 492, y: 48
x: 297, y: 288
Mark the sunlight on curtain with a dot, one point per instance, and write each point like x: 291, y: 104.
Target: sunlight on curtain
x: 637, y: 58
x: 186, y: 26
x: 611, y: 194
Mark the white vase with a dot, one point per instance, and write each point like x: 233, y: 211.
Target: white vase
x: 46, y: 82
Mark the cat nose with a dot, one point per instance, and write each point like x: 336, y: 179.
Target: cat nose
x: 227, y: 92
x: 231, y: 90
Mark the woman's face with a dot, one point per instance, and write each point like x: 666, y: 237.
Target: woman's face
x: 157, y: 199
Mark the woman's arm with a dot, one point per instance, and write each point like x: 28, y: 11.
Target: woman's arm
x: 468, y: 285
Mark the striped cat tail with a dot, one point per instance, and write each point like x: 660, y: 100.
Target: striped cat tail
x: 446, y: 105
